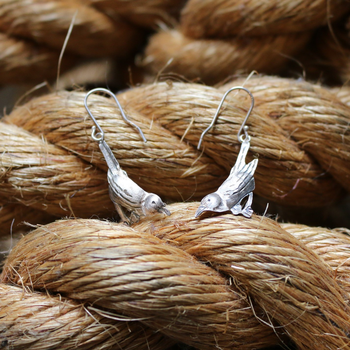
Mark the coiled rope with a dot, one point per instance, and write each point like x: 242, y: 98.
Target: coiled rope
x: 222, y: 281
x: 299, y: 132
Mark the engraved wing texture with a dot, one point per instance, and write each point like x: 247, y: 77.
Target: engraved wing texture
x: 124, y: 192
x: 240, y: 183
x: 241, y: 178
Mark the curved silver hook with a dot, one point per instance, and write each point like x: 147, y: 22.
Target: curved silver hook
x: 243, y: 127
x: 100, y: 135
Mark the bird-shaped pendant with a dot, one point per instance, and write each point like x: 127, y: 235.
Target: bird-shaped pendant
x: 240, y: 184
x: 127, y: 194
x: 124, y: 192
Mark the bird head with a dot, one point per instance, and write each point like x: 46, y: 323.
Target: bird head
x: 153, y: 204
x: 209, y: 203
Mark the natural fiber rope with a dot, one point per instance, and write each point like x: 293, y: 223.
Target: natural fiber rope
x: 22, y: 61
x: 225, y: 18
x: 37, y: 321
x: 134, y: 274
x: 308, y: 122
x: 48, y: 22
x: 213, y: 61
x: 139, y: 277
x: 332, y: 246
x: 285, y: 278
x: 32, y: 33
x: 149, y: 14
x: 46, y: 177
x: 111, y: 28
x: 176, y: 106
x: 56, y: 168
x: 342, y: 93
x: 52, y: 172
x: 216, y: 38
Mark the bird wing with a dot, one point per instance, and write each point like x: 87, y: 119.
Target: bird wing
x: 123, y: 190
x: 240, y: 177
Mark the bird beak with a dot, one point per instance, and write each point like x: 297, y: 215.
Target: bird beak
x: 200, y: 210
x: 164, y: 211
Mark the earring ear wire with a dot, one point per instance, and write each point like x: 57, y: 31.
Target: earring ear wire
x: 240, y: 183
x: 243, y: 127
x: 124, y: 192
x: 100, y: 135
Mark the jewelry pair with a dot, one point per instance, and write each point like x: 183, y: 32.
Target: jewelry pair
x: 127, y: 195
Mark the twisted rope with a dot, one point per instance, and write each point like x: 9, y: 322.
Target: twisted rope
x: 213, y: 60
x: 32, y: 33
x: 112, y: 28
x: 117, y: 268
x: 34, y: 320
x: 147, y: 14
x: 56, y: 167
x: 222, y: 18
x: 203, y: 282
x: 47, y: 23
x: 22, y: 61
x: 216, y: 39
x: 319, y: 129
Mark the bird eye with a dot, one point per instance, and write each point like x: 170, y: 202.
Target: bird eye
x: 209, y: 200
x: 153, y: 202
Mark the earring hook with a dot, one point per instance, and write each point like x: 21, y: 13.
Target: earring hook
x: 100, y: 135
x: 243, y: 127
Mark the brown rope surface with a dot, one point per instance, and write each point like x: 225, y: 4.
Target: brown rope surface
x: 342, y: 93
x: 202, y: 282
x: 32, y: 33
x: 37, y: 321
x: 47, y: 177
x: 277, y: 151
x: 55, y: 166
x: 65, y: 125
x: 222, y: 18
x: 330, y: 245
x: 149, y: 14
x: 213, y: 61
x: 22, y: 61
x: 139, y: 277
x: 261, y: 37
x: 221, y: 281
x: 319, y: 128
x: 216, y: 39
x: 286, y: 278
x: 48, y: 22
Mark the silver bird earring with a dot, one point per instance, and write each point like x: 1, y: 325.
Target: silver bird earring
x: 124, y: 192
x: 240, y: 182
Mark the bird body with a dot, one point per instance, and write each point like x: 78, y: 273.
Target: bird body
x: 124, y: 192
x: 127, y: 194
x: 234, y: 189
